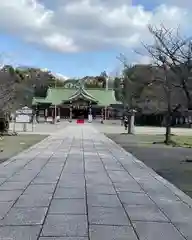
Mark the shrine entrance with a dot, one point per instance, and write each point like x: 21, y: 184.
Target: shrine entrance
x: 80, y: 110
x: 80, y: 114
x: 80, y: 104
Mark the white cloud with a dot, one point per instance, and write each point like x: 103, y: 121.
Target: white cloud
x: 71, y: 26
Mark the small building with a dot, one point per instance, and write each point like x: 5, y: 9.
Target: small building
x: 76, y: 102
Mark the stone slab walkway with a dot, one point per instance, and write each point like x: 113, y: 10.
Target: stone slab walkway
x: 79, y: 185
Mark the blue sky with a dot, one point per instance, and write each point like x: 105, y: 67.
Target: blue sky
x: 76, y: 43
x: 16, y: 51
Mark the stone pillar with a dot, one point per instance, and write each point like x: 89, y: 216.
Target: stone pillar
x: 131, y: 123
x: 90, y: 113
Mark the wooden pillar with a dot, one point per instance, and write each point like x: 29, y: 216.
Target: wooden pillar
x: 105, y: 112
x: 108, y: 113
x: 102, y: 115
x: 90, y: 108
x: 46, y: 114
x: 70, y: 112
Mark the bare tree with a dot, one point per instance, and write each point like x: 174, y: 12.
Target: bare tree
x: 167, y: 53
x: 175, y: 51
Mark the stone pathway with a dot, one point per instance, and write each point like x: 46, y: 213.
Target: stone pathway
x: 79, y: 185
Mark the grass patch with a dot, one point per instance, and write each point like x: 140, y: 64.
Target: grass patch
x: 12, y: 145
x: 177, y: 141
x: 148, y: 140
x: 182, y: 141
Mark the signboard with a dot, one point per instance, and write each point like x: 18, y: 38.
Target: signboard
x: 21, y: 118
x: 25, y: 110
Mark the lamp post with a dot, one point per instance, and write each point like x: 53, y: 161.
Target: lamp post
x: 122, y: 97
x: 55, y: 110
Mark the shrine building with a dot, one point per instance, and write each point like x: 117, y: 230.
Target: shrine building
x: 77, y: 102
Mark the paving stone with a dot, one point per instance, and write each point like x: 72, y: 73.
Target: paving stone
x: 162, y: 194
x: 22, y: 178
x: 34, y: 200
x: 112, y: 232
x: 120, y: 177
x: 13, y: 186
x: 63, y: 238
x: 94, y: 167
x: 41, y: 180
x: 177, y: 213
x: 19, y: 232
x: 7, y: 173
x: 97, y: 179
x: 70, y: 193
x: 49, y: 176
x: 165, y: 201
x: 100, y: 189
x: 145, y: 213
x: 101, y: 200
x: 4, y: 208
x: 74, y: 178
x: 127, y: 187
x: 50, y: 173
x: 135, y: 198
x: 24, y: 216
x: 68, y: 206
x: 71, y: 184
x: 73, y: 168
x: 157, y: 231
x: 114, y: 167
x: 107, y: 216
x: 185, y: 229
x: 6, y: 196
x: 65, y: 225
x: 56, y: 166
x: 40, y: 189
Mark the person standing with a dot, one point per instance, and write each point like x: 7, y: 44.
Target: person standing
x: 125, y: 122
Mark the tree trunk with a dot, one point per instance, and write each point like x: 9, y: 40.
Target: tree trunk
x: 4, y: 125
x: 168, y: 129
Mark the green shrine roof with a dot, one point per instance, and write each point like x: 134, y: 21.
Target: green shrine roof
x: 56, y: 96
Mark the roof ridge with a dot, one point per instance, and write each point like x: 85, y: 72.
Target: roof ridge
x: 86, y: 89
